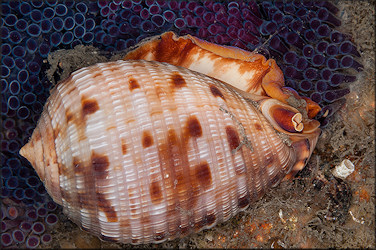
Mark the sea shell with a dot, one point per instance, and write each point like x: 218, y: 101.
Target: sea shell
x: 138, y: 151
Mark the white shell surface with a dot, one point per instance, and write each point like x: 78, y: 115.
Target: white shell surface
x: 146, y: 151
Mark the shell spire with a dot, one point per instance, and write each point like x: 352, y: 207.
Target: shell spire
x: 41, y: 153
x: 28, y: 151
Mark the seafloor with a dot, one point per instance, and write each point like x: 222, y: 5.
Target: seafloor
x: 315, y: 210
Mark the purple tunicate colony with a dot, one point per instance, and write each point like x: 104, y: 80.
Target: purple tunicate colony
x: 302, y: 36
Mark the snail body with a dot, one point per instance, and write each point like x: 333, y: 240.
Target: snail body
x: 138, y: 151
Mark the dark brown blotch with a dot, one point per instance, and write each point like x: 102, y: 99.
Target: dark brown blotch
x: 258, y: 127
x: 210, y: 219
x: 106, y: 207
x: 177, y: 80
x: 203, y: 174
x: 156, y: 192
x: 244, y: 201
x: 123, y: 146
x: 133, y: 84
x: 147, y: 139
x: 159, y: 236
x: 68, y: 115
x: 193, y: 127
x: 100, y: 163
x: 200, y: 224
x: 89, y: 106
x: 232, y: 137
x: 216, y: 92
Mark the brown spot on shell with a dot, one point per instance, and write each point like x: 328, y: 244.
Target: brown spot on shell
x: 98, y: 74
x: 174, y: 163
x: 100, y: 163
x: 106, y: 207
x: 123, y: 146
x: 177, y: 80
x: 56, y: 133
x: 63, y: 169
x: 193, y: 127
x: 77, y: 166
x: 203, y: 174
x: 111, y: 127
x: 81, y: 133
x: 133, y: 84
x: 135, y: 241
x: 232, y: 137
x: 210, y: 219
x: 69, y: 115
x: 37, y: 137
x: 216, y: 92
x: 156, y: 192
x: 89, y: 106
x: 147, y: 139
x: 200, y: 224
x: 176, y: 150
x: 244, y: 201
x: 159, y: 236
x: 258, y: 127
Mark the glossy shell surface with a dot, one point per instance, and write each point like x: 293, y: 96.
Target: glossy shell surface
x: 140, y: 152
